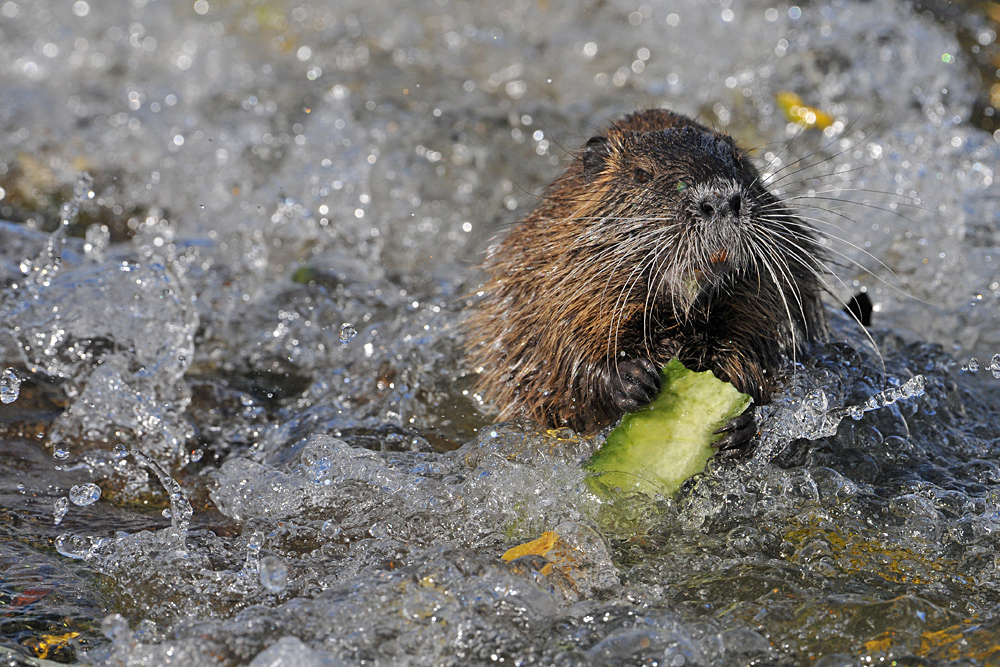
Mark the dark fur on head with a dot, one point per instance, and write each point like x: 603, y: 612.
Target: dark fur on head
x: 658, y: 241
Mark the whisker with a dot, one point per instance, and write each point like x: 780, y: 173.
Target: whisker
x: 826, y: 285
x: 863, y: 268
x: 774, y: 182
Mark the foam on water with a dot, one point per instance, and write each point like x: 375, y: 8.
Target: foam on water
x: 248, y: 314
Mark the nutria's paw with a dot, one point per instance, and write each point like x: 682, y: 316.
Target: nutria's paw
x: 738, y: 438
x: 634, y: 383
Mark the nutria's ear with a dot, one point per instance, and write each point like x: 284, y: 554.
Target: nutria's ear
x: 594, y: 155
x: 860, y: 308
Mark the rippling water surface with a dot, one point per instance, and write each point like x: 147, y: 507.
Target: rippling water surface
x: 237, y: 427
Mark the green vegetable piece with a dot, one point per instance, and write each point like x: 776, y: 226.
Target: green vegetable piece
x: 655, y: 449
x: 304, y: 275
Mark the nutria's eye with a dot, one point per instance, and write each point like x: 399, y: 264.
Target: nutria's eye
x: 681, y: 186
x: 642, y: 176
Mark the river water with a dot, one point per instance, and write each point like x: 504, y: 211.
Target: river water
x: 237, y: 427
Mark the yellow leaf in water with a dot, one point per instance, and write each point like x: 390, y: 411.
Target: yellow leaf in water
x: 880, y: 644
x: 538, y: 547
x: 798, y: 111
x: 45, y: 643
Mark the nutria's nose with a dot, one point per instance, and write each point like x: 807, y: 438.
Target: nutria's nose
x: 719, y: 205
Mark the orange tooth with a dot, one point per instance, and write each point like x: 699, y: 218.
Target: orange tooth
x: 720, y: 256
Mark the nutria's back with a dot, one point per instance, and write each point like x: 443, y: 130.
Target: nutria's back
x: 658, y: 241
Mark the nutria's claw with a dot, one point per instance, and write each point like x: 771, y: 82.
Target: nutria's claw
x: 634, y: 383
x: 738, y: 438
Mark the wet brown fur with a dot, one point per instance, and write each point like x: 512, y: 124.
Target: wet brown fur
x: 617, y: 264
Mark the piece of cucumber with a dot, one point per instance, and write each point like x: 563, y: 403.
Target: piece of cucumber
x: 654, y: 450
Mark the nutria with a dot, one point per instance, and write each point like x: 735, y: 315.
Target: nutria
x: 659, y: 240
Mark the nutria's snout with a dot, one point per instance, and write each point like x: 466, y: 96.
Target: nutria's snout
x: 659, y: 240
x: 720, y: 205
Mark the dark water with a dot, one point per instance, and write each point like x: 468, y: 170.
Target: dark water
x: 242, y: 325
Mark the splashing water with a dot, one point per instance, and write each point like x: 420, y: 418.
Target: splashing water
x: 912, y: 388
x: 973, y: 366
x: 243, y: 328
x: 180, y: 507
x: 10, y: 386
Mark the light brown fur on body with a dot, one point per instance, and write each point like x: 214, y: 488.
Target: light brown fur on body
x: 658, y: 241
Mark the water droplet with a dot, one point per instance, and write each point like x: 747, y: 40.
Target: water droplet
x: 61, y: 454
x: 196, y: 455
x: 61, y: 507
x: 273, y: 574
x: 20, y: 487
x: 347, y: 332
x: 64, y: 545
x: 331, y: 528
x: 973, y: 365
x: 379, y: 530
x: 96, y: 242
x: 10, y: 386
x: 84, y: 494
x: 913, y: 387
x: 119, y: 451
x: 995, y: 366
x: 166, y: 513
x: 246, y: 400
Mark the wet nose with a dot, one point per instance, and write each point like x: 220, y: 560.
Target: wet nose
x: 720, y: 205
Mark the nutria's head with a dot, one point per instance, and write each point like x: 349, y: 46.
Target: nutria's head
x: 693, y: 201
